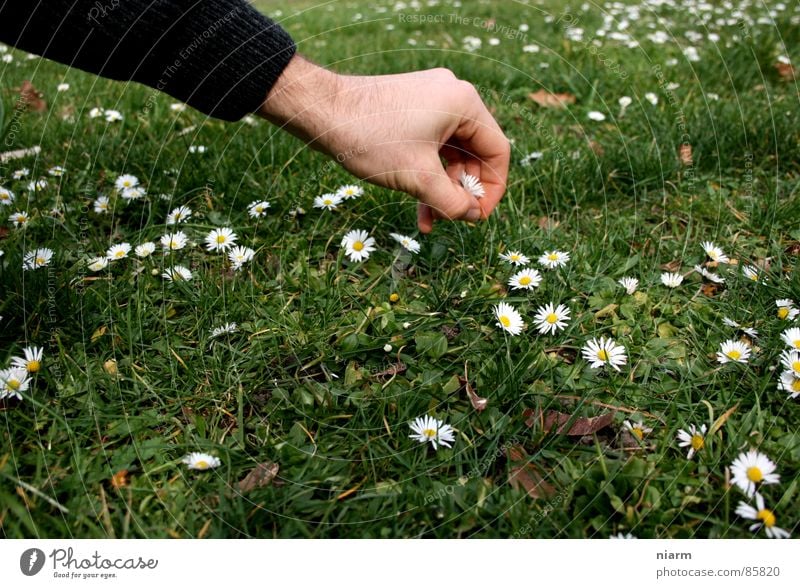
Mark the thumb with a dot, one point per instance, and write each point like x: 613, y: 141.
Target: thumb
x: 442, y: 196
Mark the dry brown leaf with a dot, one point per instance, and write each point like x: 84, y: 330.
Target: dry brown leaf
x: 685, y: 154
x: 260, y: 476
x: 785, y: 71
x: 121, y: 479
x: 672, y: 266
x: 32, y: 98
x: 110, y: 367
x: 723, y: 418
x: 392, y: 370
x: 581, y: 426
x: 709, y: 289
x: 524, y: 474
x: 476, y: 401
x: 549, y: 100
x: 793, y: 248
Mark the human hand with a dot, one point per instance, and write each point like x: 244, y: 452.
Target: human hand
x: 394, y: 130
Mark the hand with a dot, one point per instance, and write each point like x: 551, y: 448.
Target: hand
x: 394, y: 130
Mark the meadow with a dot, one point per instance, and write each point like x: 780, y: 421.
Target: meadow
x: 649, y: 138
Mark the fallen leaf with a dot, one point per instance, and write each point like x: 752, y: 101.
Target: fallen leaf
x: 793, y: 248
x: 19, y: 153
x: 672, y: 266
x: 476, y: 401
x: 526, y: 475
x: 110, y: 367
x: 722, y: 419
x: 549, y: 100
x: 580, y: 426
x: 685, y: 154
x: 785, y: 71
x: 260, y: 476
x: 32, y: 98
x: 709, y: 289
x: 392, y: 370
x: 121, y: 479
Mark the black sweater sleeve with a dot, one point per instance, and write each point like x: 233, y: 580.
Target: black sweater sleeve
x: 219, y: 56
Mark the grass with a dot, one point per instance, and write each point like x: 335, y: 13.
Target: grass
x: 132, y: 381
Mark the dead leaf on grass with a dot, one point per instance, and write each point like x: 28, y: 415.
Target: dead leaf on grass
x: 260, y: 476
x: 552, y: 419
x: 524, y: 474
x: 550, y: 100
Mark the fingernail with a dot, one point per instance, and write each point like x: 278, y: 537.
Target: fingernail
x: 474, y: 215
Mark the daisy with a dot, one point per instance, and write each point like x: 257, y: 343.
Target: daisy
x: 515, y: 258
x: 32, y: 360
x: 786, y: 309
x: 472, y: 185
x: 136, y: 193
x: 358, y: 245
x: 177, y: 107
x: 96, y: 112
x: 623, y: 536
x: 179, y: 215
x: 790, y: 382
x: 791, y: 361
x: 711, y: 276
x: 596, y: 116
x: 21, y: 173
x: 602, y: 352
x: 411, y: 245
x: 530, y: 158
x: 349, y: 192
x: 220, y: 239
x: 638, y: 430
x: 431, y: 429
x: 694, y: 439
x: 145, y: 249
x: 177, y: 273
x: 733, y: 351
x: 197, y: 149
x: 101, y: 204
x: 6, y: 196
x: 37, y: 258
x: 624, y: 102
x: 671, y: 279
x: 125, y: 182
x: 97, y: 264
x: 508, y: 319
x: 630, y: 284
x: 327, y: 201
x: 201, y: 461
x: 764, y: 517
x: 56, y: 171
x: 112, y: 115
x: 225, y: 329
x: 38, y: 185
x: 791, y: 337
x: 118, y: 251
x: 714, y: 253
x: 550, y: 319
x: 13, y: 381
x: 239, y: 256
x: 751, y: 272
x: 19, y: 218
x: 258, y: 208
x: 174, y: 241
x: 730, y: 323
x: 752, y: 468
x: 651, y: 98
x: 554, y: 259
x: 62, y: 87
x: 526, y: 279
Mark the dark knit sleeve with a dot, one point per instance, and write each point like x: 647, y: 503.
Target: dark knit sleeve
x: 219, y: 56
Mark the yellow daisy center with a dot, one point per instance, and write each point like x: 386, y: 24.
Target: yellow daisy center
x: 734, y: 354
x: 552, y: 257
x: 783, y: 312
x: 33, y: 365
x: 754, y: 276
x: 326, y: 202
x: 796, y: 366
x: 767, y: 516
x: 514, y: 257
x: 602, y: 355
x: 394, y: 297
x: 358, y: 246
x: 40, y: 261
x: 638, y: 433
x: 126, y: 184
x: 712, y: 254
x: 173, y: 244
x: 796, y: 385
x: 505, y: 321
x: 221, y: 238
x: 552, y: 318
x: 21, y: 219
x: 14, y: 384
x: 429, y: 433
x: 698, y: 442
x: 202, y: 465
x: 524, y: 280
x: 349, y: 191
x: 754, y: 474
x: 119, y: 253
x: 796, y: 343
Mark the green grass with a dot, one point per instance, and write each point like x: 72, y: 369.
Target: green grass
x: 298, y: 384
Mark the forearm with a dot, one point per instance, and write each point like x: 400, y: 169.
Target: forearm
x: 220, y: 56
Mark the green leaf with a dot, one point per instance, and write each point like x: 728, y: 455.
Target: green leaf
x: 432, y: 344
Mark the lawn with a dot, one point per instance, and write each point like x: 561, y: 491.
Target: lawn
x: 307, y: 402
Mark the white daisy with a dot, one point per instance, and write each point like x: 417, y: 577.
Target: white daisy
x: 411, y: 245
x: 258, y: 208
x: 623, y: 536
x: 96, y: 112
x: 625, y: 101
x: 6, y: 196
x: 530, y: 158
x: 790, y: 382
x: 508, y: 319
x: 32, y: 360
x: 651, y: 98
x: 694, y: 439
x: 596, y: 116
x: 551, y: 318
x: 711, y: 276
x: 125, y: 182
x: 37, y: 258
x: 225, y: 329
x: 21, y: 173
x: 327, y: 201
x: 765, y: 517
x: 733, y: 351
x: 791, y: 361
x: 358, y: 245
x: 197, y: 149
x: 19, y: 218
x: 428, y: 428
x: 118, y: 251
x: 220, y: 239
x: 239, y: 256
x: 671, y: 279
x: 145, y: 249
x: 101, y: 204
x: 112, y: 115
x: 56, y: 171
x: 13, y: 381
x: 602, y: 352
x: 554, y: 259
x: 38, y: 185
x: 177, y: 107
x: 62, y: 87
x: 730, y: 323
x: 174, y: 241
x: 630, y: 284
x: 515, y: 258
x: 752, y: 468
x: 97, y: 264
x: 201, y: 461
x: 472, y: 185
x: 637, y: 430
x: 714, y: 253
x: 751, y: 273
x: 787, y: 310
x: 136, y: 193
x: 525, y: 279
x: 349, y: 192
x: 791, y: 337
x: 179, y: 215
x: 177, y: 273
